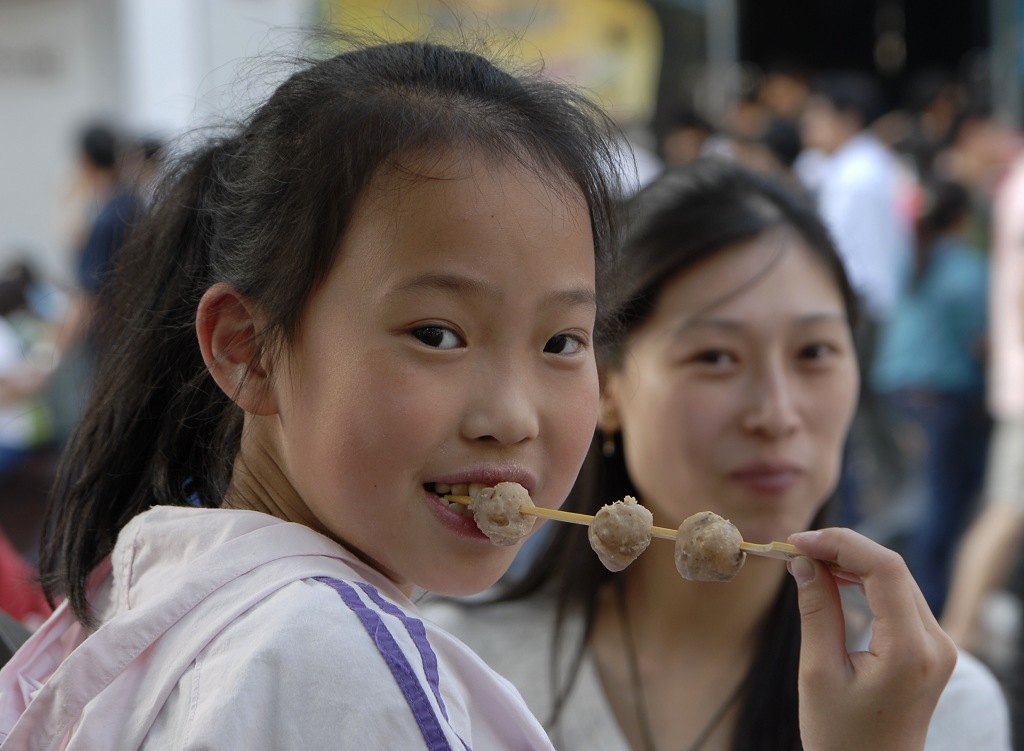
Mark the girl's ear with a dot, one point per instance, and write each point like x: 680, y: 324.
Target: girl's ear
x: 226, y: 327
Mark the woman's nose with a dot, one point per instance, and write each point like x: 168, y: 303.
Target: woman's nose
x: 771, y: 410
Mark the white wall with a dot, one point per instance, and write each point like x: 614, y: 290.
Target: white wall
x: 55, y: 70
x: 152, y: 66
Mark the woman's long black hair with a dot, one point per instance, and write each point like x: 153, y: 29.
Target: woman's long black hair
x: 264, y: 209
x: 688, y: 215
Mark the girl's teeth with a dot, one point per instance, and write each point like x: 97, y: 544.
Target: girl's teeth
x: 442, y: 488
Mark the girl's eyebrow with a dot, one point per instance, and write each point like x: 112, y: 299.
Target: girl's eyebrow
x: 458, y: 284
x: 432, y: 281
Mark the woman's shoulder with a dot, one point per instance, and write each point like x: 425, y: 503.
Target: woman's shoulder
x: 972, y: 711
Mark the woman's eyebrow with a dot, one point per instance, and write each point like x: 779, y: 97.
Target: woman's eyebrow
x: 696, y: 322
x: 733, y: 324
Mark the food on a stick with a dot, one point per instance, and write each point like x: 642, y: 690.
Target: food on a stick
x: 708, y: 548
x: 620, y: 532
x: 496, y: 512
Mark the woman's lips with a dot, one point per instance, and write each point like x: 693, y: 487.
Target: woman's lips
x: 765, y: 478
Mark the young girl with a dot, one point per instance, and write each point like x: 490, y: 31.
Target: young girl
x: 730, y: 388
x: 383, y: 286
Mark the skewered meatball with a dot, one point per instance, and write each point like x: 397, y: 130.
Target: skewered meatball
x: 620, y: 532
x: 496, y: 512
x: 708, y: 548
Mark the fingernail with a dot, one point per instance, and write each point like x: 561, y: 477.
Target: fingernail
x: 802, y: 570
x: 809, y: 536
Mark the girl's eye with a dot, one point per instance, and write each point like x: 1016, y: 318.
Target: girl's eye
x: 564, y: 344
x: 438, y: 337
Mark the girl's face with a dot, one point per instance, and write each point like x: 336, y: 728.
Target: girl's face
x: 736, y: 395
x: 451, y: 343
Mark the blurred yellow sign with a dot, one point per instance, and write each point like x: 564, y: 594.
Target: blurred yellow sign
x: 611, y: 48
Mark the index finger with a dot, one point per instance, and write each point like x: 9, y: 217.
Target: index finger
x: 892, y: 593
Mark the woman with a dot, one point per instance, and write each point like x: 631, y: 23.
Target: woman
x: 729, y: 387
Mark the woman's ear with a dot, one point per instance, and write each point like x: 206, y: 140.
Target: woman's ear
x: 607, y: 413
x: 226, y: 327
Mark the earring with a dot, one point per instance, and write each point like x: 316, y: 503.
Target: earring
x: 608, y: 444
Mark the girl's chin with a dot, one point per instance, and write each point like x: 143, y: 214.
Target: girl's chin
x: 471, y: 580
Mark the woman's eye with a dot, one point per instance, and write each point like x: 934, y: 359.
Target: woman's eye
x: 438, y: 337
x: 716, y: 358
x: 564, y: 344
x: 817, y: 351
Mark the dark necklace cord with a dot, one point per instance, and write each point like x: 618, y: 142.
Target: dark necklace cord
x: 640, y: 701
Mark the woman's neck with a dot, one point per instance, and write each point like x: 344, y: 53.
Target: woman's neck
x: 673, y: 655
x: 670, y: 610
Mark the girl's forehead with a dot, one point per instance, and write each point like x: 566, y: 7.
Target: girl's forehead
x: 468, y: 217
x: 435, y: 172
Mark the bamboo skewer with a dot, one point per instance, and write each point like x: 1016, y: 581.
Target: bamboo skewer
x: 781, y: 550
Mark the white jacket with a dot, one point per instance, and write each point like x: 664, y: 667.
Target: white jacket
x: 228, y: 629
x: 516, y: 638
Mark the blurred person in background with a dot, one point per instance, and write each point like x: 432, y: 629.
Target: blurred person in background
x: 144, y: 167
x: 122, y: 174
x: 25, y: 459
x: 784, y: 89
x: 25, y: 422
x: 933, y: 105
x: 31, y: 309
x: 687, y: 134
x: 992, y: 543
x: 774, y: 150
x: 21, y: 596
x: 102, y: 158
x: 929, y: 368
x: 860, y: 191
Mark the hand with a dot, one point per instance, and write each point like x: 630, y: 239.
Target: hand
x: 882, y: 698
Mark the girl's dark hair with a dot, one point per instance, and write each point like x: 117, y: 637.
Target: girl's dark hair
x: 688, y: 215
x: 943, y: 204
x: 264, y: 210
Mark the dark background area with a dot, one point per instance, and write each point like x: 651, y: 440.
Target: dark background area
x: 945, y: 36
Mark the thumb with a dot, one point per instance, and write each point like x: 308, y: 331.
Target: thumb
x: 822, y: 626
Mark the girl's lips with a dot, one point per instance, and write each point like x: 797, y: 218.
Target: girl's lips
x: 454, y: 519
x: 489, y: 475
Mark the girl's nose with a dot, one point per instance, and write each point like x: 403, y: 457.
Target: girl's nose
x: 503, y: 407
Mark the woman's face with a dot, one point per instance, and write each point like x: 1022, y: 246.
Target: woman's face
x: 735, y: 396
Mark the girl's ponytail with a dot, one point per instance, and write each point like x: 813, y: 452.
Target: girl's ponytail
x: 156, y: 428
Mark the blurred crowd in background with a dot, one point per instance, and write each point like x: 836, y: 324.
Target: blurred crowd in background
x: 925, y: 199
